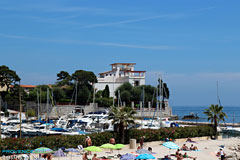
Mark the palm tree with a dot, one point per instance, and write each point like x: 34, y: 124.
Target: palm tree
x: 215, y: 114
x: 122, y: 117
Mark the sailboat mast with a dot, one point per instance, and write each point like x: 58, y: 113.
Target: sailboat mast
x: 218, y: 99
x: 20, y: 104
x: 93, y: 94
x: 47, y: 104
x: 0, y: 116
x: 161, y: 93
x: 38, y: 104
x: 76, y: 92
x: 143, y: 104
x: 40, y: 100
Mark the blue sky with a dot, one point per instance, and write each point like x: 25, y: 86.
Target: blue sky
x: 191, y: 44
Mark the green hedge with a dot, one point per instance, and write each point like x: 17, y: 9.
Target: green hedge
x: 55, y: 142
x: 174, y: 133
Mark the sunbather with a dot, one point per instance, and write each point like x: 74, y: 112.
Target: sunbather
x: 187, y: 156
x: 184, y: 147
x: 84, y: 157
x: 190, y: 140
x: 95, y: 157
x: 193, y: 148
x: 179, y: 157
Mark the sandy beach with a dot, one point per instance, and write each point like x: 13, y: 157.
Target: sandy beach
x: 207, y: 149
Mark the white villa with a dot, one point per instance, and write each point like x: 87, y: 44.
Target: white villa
x: 120, y: 73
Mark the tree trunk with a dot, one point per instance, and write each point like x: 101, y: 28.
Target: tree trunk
x: 122, y: 132
x: 215, y: 127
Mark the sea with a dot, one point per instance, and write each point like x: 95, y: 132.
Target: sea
x: 233, y: 113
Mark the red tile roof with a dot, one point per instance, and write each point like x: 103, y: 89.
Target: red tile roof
x: 28, y: 86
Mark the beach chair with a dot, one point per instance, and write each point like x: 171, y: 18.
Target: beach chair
x: 81, y: 149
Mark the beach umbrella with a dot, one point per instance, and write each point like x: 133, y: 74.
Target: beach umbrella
x: 143, y: 151
x: 59, y: 153
x: 108, y: 146
x: 128, y: 156
x: 119, y: 146
x: 170, y: 145
x: 42, y: 150
x: 145, y: 156
x: 71, y: 150
x: 93, y: 149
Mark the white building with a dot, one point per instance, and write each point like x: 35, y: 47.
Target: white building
x: 120, y: 73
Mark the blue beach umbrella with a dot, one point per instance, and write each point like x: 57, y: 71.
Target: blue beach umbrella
x: 71, y: 150
x: 170, y: 145
x: 59, y: 153
x: 128, y: 156
x: 145, y: 156
x: 143, y: 151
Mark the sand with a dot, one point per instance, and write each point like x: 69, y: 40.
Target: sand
x: 207, y: 149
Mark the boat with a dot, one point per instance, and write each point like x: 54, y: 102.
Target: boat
x: 190, y: 116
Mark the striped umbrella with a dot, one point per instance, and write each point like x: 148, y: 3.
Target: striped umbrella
x: 42, y: 150
x: 170, y: 145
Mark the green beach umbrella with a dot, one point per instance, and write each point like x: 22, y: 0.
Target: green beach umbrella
x: 93, y: 149
x: 119, y: 146
x: 42, y: 150
x: 108, y: 146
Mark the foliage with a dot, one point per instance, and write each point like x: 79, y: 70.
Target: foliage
x: 64, y: 78
x: 99, y: 94
x: 215, y: 114
x: 12, y: 98
x: 122, y: 117
x: 84, y: 95
x: 129, y: 93
x: 106, y: 92
x: 42, y: 91
x: 174, y: 133
x: 8, y: 77
x: 125, y: 96
x: 58, y: 94
x: 84, y: 77
x: 30, y: 113
x: 104, y: 102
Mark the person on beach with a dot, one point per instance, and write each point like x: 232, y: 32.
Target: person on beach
x: 88, y: 142
x: 141, y: 142
x: 139, y: 147
x: 95, y: 157
x: 187, y: 156
x: 193, y: 148
x: 221, y: 154
x: 177, y: 152
x: 190, y: 140
x: 112, y: 141
x: 84, y: 157
x: 184, y: 147
x: 150, y: 149
x: 180, y: 156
